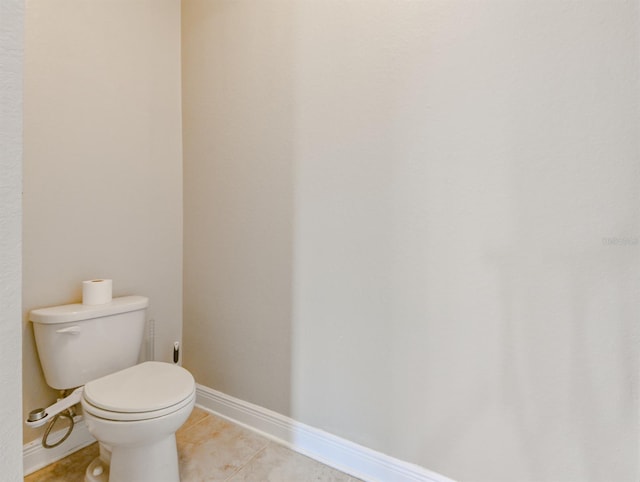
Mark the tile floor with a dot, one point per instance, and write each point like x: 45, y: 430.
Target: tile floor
x: 213, y: 449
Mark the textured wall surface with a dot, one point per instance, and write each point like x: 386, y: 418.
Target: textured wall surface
x: 429, y: 212
x: 103, y: 162
x: 11, y: 50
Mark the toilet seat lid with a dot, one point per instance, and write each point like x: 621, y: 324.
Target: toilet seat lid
x: 145, y: 387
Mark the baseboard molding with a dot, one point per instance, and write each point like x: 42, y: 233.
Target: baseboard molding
x: 341, y: 454
x: 35, y: 456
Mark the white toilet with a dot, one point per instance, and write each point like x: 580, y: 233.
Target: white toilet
x: 132, y: 409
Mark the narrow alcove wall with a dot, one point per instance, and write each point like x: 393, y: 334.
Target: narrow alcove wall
x: 102, y: 163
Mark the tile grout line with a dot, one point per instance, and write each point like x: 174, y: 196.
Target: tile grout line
x: 195, y: 424
x: 214, y: 417
x: 251, y: 459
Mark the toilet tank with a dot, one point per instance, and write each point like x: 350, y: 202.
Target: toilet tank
x: 79, y: 343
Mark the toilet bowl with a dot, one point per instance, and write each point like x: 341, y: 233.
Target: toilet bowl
x: 136, y: 412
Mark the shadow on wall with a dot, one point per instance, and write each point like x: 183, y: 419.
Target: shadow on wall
x: 238, y: 198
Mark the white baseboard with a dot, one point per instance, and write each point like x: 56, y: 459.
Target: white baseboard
x: 35, y: 456
x: 341, y: 454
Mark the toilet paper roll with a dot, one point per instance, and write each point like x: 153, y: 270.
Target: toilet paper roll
x: 96, y: 291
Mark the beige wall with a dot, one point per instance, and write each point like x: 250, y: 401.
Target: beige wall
x: 238, y: 198
x: 415, y: 225
x: 11, y: 53
x: 102, y: 166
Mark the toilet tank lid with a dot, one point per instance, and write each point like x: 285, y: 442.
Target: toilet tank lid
x: 78, y: 311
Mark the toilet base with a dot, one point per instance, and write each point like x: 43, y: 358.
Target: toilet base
x: 97, y: 471
x: 156, y: 462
